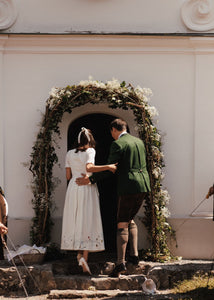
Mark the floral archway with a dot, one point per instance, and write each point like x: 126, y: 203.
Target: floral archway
x: 43, y: 156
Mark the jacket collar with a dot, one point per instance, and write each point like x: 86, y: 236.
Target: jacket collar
x: 123, y: 133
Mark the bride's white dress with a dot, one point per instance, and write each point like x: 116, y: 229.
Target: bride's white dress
x: 82, y: 225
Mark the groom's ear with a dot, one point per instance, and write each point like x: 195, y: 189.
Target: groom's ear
x: 113, y: 132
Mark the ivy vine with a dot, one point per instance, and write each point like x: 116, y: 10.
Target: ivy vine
x: 43, y: 156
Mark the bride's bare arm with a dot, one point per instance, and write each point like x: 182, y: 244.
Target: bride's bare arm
x: 68, y: 173
x: 93, y: 169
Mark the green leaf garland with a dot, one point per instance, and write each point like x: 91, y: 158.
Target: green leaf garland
x: 44, y: 157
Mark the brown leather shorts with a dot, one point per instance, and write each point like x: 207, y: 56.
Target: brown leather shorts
x: 128, y: 206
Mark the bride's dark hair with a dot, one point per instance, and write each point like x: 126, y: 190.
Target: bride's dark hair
x: 85, y: 138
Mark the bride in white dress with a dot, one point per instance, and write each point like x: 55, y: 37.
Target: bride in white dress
x: 82, y: 225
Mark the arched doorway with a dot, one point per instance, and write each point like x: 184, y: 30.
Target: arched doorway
x: 99, y: 125
x: 44, y: 156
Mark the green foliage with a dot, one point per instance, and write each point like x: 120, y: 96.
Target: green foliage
x: 43, y: 157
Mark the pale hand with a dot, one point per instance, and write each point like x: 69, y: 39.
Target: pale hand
x: 3, y: 229
x: 84, y: 180
x: 113, y: 168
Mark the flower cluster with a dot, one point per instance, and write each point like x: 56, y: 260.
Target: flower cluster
x: 43, y: 157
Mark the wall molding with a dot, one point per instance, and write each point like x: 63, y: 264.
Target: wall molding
x: 198, y: 15
x: 22, y: 44
x: 8, y: 14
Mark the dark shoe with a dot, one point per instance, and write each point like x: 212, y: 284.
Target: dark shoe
x: 119, y: 269
x: 133, y: 260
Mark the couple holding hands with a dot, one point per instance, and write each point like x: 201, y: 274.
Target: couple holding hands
x: 82, y: 225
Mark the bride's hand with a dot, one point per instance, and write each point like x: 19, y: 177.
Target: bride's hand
x: 113, y: 167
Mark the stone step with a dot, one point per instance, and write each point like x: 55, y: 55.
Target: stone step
x: 110, y: 294
x: 114, y: 294
x: 97, y: 268
x: 100, y: 282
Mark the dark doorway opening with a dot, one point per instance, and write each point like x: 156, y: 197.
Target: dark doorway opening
x: 99, y: 125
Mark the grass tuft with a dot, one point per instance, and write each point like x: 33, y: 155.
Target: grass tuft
x: 200, y: 287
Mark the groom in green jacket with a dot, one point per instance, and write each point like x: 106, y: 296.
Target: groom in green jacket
x: 132, y: 185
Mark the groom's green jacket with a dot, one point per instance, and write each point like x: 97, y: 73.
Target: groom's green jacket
x: 132, y: 176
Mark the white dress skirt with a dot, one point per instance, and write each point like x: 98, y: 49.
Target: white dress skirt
x: 82, y: 224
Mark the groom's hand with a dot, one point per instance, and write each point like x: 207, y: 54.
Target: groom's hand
x: 210, y: 192
x: 84, y: 180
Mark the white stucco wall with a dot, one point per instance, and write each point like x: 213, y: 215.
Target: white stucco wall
x: 180, y: 73
x: 136, y: 16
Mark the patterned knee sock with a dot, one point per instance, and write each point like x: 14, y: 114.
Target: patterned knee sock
x: 133, y: 239
x: 122, y: 241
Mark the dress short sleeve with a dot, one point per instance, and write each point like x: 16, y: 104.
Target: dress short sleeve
x: 90, y: 155
x: 67, y: 165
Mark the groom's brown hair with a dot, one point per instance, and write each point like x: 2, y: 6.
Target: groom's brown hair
x: 118, y: 124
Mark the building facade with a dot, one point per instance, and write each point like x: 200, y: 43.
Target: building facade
x: 165, y: 45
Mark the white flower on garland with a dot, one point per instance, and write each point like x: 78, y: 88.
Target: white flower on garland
x: 157, y: 137
x: 51, y: 102
x: 165, y: 212
x: 157, y: 172
x: 152, y: 128
x: 62, y: 92
x: 114, y: 84
x: 53, y: 92
x: 143, y: 93
x: 155, y: 150
x: 92, y: 82
x: 152, y: 111
x: 147, y: 92
x: 55, y: 95
x: 157, y: 153
x: 84, y: 83
x: 164, y: 195
x: 68, y: 93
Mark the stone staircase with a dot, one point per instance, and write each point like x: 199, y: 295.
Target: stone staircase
x: 129, y: 285
x: 70, y: 283
x: 62, y: 279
